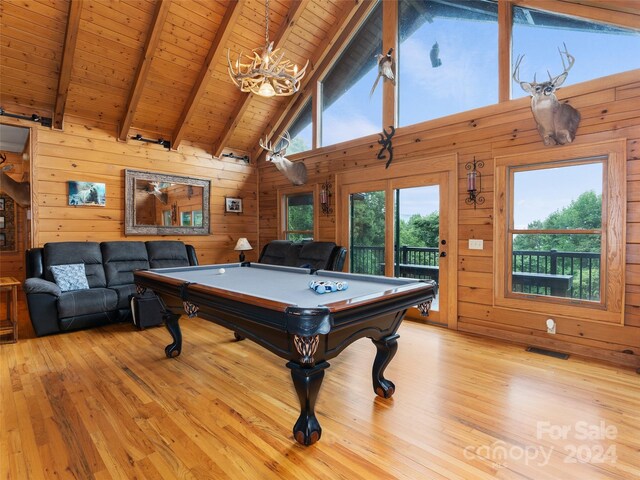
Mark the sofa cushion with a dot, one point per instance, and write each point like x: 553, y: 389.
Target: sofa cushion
x: 70, y: 277
x: 124, y: 293
x: 84, y: 302
x: 120, y: 259
x: 292, y: 258
x: 275, y: 252
x: 87, y: 253
x: 167, y: 253
x: 316, y: 255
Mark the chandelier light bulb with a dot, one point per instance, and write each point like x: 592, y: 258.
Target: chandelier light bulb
x: 266, y: 90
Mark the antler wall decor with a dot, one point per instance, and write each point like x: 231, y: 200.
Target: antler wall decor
x: 385, y: 141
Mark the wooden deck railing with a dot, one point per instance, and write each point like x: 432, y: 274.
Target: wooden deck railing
x: 555, y: 273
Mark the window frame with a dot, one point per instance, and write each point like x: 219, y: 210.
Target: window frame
x: 282, y: 194
x: 610, y: 308
x: 318, y: 113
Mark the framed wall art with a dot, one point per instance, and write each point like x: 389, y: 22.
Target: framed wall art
x: 232, y: 205
x: 87, y: 193
x: 7, y: 224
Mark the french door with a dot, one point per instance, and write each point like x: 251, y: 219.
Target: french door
x: 404, y: 227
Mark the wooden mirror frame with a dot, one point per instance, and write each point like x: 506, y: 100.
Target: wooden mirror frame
x: 132, y: 228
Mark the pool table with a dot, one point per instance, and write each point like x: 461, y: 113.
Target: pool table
x: 275, y: 307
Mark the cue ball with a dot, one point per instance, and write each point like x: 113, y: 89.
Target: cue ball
x: 221, y: 270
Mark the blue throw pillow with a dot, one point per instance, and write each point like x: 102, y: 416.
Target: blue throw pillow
x: 70, y: 277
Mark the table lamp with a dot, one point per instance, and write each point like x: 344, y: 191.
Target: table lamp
x: 242, y: 246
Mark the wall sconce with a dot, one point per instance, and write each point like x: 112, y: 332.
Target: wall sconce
x: 174, y: 213
x: 325, y: 196
x: 474, y: 183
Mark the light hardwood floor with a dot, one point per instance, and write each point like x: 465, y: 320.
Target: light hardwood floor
x: 106, y: 403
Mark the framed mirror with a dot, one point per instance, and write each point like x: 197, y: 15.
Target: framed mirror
x: 161, y: 204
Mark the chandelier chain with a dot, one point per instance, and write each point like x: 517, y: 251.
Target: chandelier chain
x: 266, y: 21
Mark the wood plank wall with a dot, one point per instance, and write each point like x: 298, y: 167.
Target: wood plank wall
x: 91, y: 153
x: 610, y: 109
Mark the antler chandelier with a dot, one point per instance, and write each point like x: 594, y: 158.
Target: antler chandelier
x: 268, y: 73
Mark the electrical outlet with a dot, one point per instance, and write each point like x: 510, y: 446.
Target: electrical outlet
x: 475, y: 244
x: 551, y: 326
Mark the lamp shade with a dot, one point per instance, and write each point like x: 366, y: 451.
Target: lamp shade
x: 243, y: 244
x: 266, y: 90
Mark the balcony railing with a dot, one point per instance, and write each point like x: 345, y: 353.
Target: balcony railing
x: 582, y: 267
x: 563, y: 274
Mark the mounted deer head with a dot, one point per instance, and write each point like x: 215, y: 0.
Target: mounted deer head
x: 19, y: 191
x: 154, y: 189
x: 557, y: 122
x: 296, y: 172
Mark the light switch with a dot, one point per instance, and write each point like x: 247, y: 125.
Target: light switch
x: 475, y: 244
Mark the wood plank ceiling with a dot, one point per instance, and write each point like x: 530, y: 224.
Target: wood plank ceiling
x: 156, y: 67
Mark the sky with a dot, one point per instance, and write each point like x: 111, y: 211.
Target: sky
x: 467, y: 79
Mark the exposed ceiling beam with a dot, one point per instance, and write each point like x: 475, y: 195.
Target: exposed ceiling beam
x: 621, y: 13
x: 290, y: 21
x: 68, y: 52
x: 157, y: 23
x: 217, y: 48
x: 353, y: 14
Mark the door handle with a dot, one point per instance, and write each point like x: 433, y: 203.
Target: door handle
x: 443, y: 254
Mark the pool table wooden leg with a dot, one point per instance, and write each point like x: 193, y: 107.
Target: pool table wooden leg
x: 307, y: 383
x: 387, y: 348
x: 171, y: 322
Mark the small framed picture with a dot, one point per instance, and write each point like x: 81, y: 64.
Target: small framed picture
x: 232, y: 205
x: 1, y: 203
x: 1, y: 222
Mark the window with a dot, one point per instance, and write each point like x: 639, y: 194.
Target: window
x: 560, y: 231
x: 448, y: 59
x: 598, y: 49
x: 197, y: 218
x: 301, y: 131
x: 348, y: 111
x: 185, y: 219
x: 367, y: 227
x: 556, y: 232
x: 298, y: 216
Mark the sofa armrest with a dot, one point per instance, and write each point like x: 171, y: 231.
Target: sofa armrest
x: 42, y: 300
x: 339, y: 255
x: 191, y: 253
x: 39, y: 285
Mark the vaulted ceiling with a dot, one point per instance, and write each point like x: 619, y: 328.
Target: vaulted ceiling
x: 159, y: 67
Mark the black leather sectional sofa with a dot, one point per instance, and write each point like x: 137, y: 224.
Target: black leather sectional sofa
x: 108, y: 267
x: 316, y: 255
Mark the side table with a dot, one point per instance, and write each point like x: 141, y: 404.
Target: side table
x: 9, y: 326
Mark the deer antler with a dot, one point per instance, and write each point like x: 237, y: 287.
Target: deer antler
x: 268, y: 147
x: 287, y: 139
x: 516, y: 70
x: 570, y: 58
